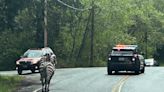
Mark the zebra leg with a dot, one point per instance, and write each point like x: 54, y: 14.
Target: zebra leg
x: 45, y: 90
x: 42, y: 85
x: 49, y: 80
x: 46, y: 85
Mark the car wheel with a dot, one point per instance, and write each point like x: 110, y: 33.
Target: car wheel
x: 19, y: 71
x: 109, y: 71
x: 33, y: 70
x: 143, y: 70
x: 137, y: 72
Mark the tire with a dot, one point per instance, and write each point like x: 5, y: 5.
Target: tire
x: 137, y: 72
x: 19, y: 71
x: 143, y: 70
x: 109, y: 71
x: 33, y: 70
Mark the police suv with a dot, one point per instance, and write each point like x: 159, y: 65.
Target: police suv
x: 125, y: 58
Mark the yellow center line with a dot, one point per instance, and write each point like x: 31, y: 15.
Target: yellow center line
x: 117, y: 87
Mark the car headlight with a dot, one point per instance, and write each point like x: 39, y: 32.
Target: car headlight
x: 17, y: 63
x: 34, y: 62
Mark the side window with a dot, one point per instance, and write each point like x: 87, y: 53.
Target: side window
x: 141, y: 57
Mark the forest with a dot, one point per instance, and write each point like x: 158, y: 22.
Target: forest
x: 80, y: 32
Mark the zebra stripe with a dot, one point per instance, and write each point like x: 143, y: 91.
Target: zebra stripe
x: 47, y: 69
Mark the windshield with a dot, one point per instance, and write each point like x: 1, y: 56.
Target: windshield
x: 131, y: 50
x: 33, y: 54
x: 122, y: 52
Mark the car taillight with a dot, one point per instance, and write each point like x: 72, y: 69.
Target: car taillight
x: 109, y: 58
x: 133, y: 59
x: 135, y: 55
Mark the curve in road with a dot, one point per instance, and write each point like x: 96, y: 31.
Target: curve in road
x: 117, y: 87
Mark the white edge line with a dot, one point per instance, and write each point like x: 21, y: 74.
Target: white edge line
x: 37, y: 90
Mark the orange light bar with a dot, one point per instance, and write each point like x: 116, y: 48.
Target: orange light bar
x: 120, y: 46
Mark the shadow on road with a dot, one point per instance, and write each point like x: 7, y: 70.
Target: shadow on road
x: 29, y: 73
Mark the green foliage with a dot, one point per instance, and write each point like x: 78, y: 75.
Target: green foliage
x: 12, y: 45
x: 138, y: 22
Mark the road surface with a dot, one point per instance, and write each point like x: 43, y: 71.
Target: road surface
x: 97, y: 80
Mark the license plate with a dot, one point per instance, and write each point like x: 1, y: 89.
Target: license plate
x: 121, y: 59
x: 24, y: 66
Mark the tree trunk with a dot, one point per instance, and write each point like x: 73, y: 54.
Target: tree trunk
x: 84, y: 38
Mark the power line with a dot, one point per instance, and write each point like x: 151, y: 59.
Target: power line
x: 69, y: 6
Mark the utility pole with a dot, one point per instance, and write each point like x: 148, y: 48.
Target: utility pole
x: 146, y: 36
x: 92, y: 33
x: 45, y: 23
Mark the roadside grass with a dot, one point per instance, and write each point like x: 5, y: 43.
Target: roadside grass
x: 9, y: 83
x: 161, y: 63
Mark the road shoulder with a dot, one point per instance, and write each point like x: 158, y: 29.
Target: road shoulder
x: 28, y: 85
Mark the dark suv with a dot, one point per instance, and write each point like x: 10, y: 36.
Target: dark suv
x: 31, y: 58
x: 125, y: 58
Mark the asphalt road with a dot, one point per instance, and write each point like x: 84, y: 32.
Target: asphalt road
x: 97, y: 80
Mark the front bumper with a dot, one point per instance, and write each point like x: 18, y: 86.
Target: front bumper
x: 115, y: 66
x: 27, y: 66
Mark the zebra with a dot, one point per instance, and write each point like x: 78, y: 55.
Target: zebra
x: 47, y: 70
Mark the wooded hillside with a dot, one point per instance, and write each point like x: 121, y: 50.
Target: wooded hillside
x: 71, y: 30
